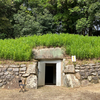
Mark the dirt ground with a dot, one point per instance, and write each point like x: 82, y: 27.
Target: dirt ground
x: 91, y: 92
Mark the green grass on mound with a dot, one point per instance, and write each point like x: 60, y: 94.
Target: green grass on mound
x: 20, y: 49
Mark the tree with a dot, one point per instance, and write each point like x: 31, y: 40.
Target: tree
x: 61, y: 12
x: 89, y: 11
x: 32, y: 22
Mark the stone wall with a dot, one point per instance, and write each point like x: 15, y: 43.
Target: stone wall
x: 10, y: 75
x: 81, y: 75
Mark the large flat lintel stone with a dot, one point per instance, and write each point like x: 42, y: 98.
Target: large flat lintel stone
x: 48, y: 53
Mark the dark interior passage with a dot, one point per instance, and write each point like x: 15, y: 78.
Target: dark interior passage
x: 50, y: 74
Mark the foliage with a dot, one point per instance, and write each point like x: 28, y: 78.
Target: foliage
x: 21, y: 48
x: 89, y: 15
x: 32, y: 22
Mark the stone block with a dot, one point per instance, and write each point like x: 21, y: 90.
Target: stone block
x: 4, y: 83
x: 23, y: 69
x: 89, y: 78
x: 31, y: 82
x: 82, y: 68
x: 25, y: 75
x: 92, y: 65
x: 77, y: 67
x: 31, y: 69
x: 94, y: 73
x: 2, y: 77
x: 23, y: 65
x: 77, y: 71
x: 13, y: 66
x: 95, y: 79
x: 22, y: 72
x: 10, y: 69
x: 4, y: 80
x: 48, y: 53
x: 1, y: 84
x: 88, y: 67
x: 78, y: 76
x: 1, y: 73
x: 71, y: 81
x: 82, y: 73
x: 8, y: 76
x: 69, y: 69
x: 1, y: 66
x: 84, y: 83
x: 15, y: 69
x: 4, y: 69
x: 16, y: 73
x: 98, y: 72
x: 0, y: 69
x: 6, y: 66
x: 6, y: 73
x: 0, y: 80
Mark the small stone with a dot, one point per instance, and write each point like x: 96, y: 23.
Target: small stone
x: 1, y: 66
x: 82, y: 68
x: 92, y: 65
x: 1, y: 73
x: 16, y: 69
x: 0, y: 81
x: 8, y: 76
x: 23, y: 69
x: 94, y: 74
x: 1, y: 84
x: 10, y: 69
x: 84, y: 83
x: 77, y: 67
x: 6, y: 66
x: 78, y: 76
x: 14, y: 66
x: 4, y: 83
x: 4, y: 80
x: 17, y: 73
x: 25, y: 75
x: 98, y: 72
x: 2, y: 77
x: 95, y: 80
x: 22, y: 72
x: 86, y: 70
x: 87, y: 67
x: 6, y: 73
x: 77, y: 70
x: 89, y: 78
x: 96, y: 69
x: 0, y: 69
x: 4, y: 69
x: 23, y: 65
x: 82, y: 73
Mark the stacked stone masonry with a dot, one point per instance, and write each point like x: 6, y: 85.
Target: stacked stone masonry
x: 81, y: 75
x: 11, y: 74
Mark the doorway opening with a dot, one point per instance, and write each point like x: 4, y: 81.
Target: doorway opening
x: 50, y: 74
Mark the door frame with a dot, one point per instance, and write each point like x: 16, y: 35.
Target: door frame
x: 58, y: 70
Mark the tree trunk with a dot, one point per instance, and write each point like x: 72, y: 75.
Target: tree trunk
x: 83, y: 32
x: 90, y: 31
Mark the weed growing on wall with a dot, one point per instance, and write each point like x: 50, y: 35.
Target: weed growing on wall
x: 20, y: 49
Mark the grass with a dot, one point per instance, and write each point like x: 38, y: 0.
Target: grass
x: 20, y: 49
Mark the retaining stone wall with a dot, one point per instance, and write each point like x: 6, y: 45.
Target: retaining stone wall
x: 10, y: 75
x: 81, y: 75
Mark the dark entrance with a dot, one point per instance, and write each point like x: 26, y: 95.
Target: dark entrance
x: 50, y: 74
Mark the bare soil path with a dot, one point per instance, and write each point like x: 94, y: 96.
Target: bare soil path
x: 91, y: 92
